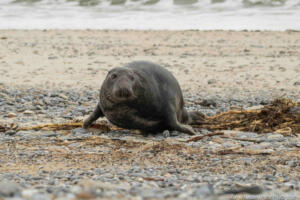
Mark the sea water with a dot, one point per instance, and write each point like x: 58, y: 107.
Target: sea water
x: 150, y: 14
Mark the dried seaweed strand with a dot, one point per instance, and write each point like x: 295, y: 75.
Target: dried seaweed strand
x: 197, y: 138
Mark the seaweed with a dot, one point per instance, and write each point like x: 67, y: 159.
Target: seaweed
x: 280, y: 116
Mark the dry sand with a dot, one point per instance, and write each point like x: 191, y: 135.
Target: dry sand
x: 214, y: 62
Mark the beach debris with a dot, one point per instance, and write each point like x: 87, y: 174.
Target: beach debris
x: 197, y: 138
x: 103, y: 126
x: 242, y: 151
x: 245, y: 190
x: 5, y: 127
x: 280, y: 116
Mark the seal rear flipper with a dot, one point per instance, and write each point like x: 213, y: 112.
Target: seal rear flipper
x: 175, y: 125
x: 196, y: 118
x: 93, y: 117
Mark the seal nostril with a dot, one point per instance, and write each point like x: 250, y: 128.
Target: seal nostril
x: 123, y: 92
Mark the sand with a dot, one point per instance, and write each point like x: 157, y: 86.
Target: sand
x: 215, y: 62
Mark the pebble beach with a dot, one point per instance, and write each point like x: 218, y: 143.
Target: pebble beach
x: 54, y: 76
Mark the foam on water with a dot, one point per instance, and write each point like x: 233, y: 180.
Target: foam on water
x: 150, y: 14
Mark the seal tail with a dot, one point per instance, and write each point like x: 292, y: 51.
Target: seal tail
x: 195, y: 118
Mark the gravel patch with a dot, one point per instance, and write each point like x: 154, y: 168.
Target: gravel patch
x: 90, y: 164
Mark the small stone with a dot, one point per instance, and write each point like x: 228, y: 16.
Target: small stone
x: 28, y: 194
x: 40, y: 196
x: 10, y: 132
x: 297, y: 83
x: 295, y: 110
x: 281, y: 52
x: 166, y: 134
x: 246, y: 189
x: 293, y: 163
x: 275, y: 136
x: 63, y: 96
x: 261, y: 146
x: 11, y: 115
x: 74, y: 145
x: 267, y: 151
x: 51, y: 182
x: 85, y: 195
x: 246, y: 134
x: 208, y: 103
x: 257, y: 107
x: 204, y: 191
x: 52, y: 57
x: 174, y: 133
x: 28, y: 112
x: 4, y: 96
x: 51, y: 134
x: 79, y: 131
x: 211, y: 81
x: 9, y: 189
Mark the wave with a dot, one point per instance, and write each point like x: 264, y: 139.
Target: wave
x: 150, y: 14
x: 195, y: 3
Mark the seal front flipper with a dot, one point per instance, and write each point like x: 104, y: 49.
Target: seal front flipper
x: 93, y: 117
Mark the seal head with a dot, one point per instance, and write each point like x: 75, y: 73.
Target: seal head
x: 120, y: 85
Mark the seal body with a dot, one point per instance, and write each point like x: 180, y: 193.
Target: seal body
x: 145, y: 96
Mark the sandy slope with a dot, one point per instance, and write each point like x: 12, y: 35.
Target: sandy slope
x: 217, y: 62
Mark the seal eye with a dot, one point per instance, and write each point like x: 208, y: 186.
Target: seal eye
x: 113, y: 76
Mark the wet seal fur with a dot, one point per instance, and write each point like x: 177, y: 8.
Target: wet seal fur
x: 145, y: 96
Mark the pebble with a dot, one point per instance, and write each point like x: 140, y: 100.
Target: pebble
x: 52, y: 57
x: 74, y: 145
x: 80, y: 131
x: 274, y: 136
x: 203, y: 191
x: 10, y: 132
x: 212, y: 81
x: 9, y: 189
x: 262, y: 145
x: 63, y: 96
x: 208, y: 103
x: 249, y: 135
x: 11, y: 115
x: 295, y: 110
x: 166, y: 134
x: 297, y: 83
x: 28, y: 112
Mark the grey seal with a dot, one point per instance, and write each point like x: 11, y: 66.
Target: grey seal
x: 145, y: 96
